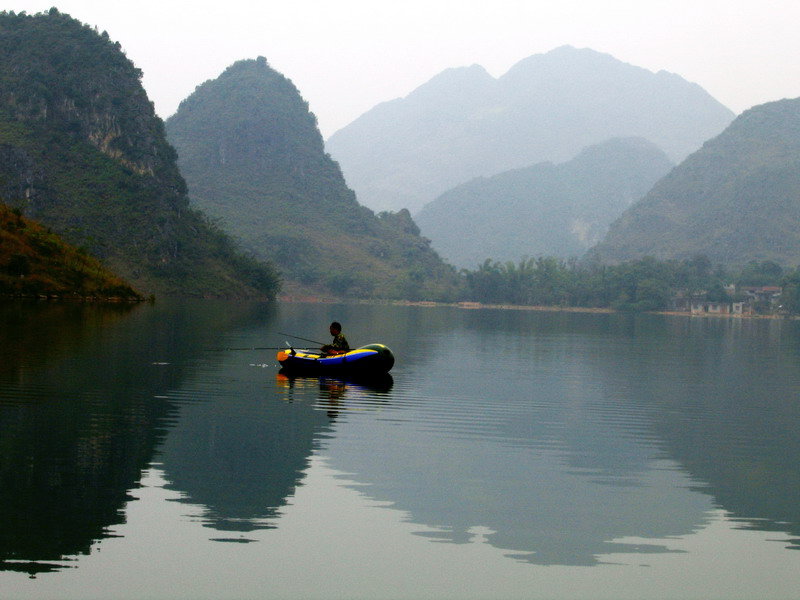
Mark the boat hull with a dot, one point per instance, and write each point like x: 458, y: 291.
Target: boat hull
x: 370, y: 359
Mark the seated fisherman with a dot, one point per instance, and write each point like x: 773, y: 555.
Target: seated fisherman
x: 339, y: 344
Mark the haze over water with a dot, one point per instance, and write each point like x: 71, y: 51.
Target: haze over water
x: 511, y: 454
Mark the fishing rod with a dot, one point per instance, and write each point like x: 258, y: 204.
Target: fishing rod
x: 304, y: 339
x: 288, y: 345
x: 259, y: 348
x: 279, y: 347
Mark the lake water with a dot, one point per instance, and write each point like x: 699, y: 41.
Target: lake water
x: 512, y: 454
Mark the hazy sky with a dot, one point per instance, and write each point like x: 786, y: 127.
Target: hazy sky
x: 345, y: 56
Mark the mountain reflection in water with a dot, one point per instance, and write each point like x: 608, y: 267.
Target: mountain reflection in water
x: 557, y: 438
x: 560, y: 439
x: 82, y: 412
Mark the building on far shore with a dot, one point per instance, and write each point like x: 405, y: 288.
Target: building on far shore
x: 705, y: 307
x: 749, y: 300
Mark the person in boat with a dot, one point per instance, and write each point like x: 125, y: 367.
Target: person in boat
x: 339, y: 344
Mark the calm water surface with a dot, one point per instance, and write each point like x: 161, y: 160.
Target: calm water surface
x: 147, y: 452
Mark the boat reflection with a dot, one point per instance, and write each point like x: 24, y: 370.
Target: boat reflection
x: 333, y: 394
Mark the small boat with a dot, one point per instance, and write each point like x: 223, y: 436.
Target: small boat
x: 371, y: 359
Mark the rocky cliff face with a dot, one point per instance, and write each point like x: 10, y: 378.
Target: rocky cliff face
x: 82, y: 151
x: 61, y: 73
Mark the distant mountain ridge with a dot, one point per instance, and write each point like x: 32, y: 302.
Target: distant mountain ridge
x: 254, y: 160
x: 735, y: 200
x: 545, y: 209
x: 464, y: 123
x: 82, y: 151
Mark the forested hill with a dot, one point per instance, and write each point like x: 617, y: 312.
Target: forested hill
x: 36, y: 262
x: 82, y: 151
x: 735, y: 200
x: 464, y: 123
x: 253, y: 157
x: 545, y: 209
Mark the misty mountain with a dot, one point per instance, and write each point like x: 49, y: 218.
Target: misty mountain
x: 254, y: 160
x: 545, y: 209
x: 464, y: 123
x: 82, y: 152
x: 735, y: 200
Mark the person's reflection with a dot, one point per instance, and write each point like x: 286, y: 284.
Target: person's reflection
x: 332, y: 392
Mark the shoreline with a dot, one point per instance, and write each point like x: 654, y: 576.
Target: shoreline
x: 540, y: 308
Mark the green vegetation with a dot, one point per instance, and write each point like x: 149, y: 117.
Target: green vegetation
x: 735, y: 200
x: 36, y: 262
x: 82, y: 151
x: 545, y: 209
x: 255, y: 162
x: 645, y: 284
